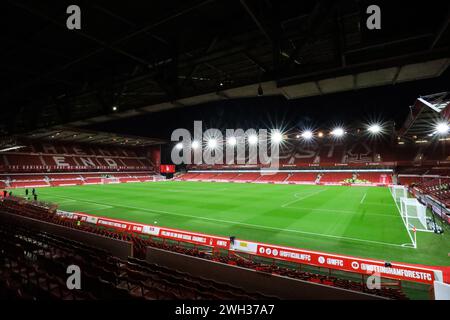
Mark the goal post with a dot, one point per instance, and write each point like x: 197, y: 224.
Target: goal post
x: 398, y: 192
x: 414, y: 214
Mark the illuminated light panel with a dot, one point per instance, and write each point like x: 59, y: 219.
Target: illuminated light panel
x: 442, y: 128
x: 307, y: 134
x: 212, y: 143
x: 195, y: 144
x: 338, y: 132
x: 276, y: 136
x: 253, y: 139
x: 375, y: 129
x: 232, y: 141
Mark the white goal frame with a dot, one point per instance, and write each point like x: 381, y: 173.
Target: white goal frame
x: 414, y: 214
x: 398, y: 192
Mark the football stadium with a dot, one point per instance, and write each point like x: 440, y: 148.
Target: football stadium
x: 156, y: 151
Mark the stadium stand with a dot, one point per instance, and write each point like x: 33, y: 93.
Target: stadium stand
x: 33, y: 266
x: 35, y: 157
x: 303, y: 177
x: 336, y: 177
x: 45, y: 163
x: 277, y: 177
x: 438, y: 188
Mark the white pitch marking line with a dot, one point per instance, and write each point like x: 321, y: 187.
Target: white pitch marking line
x: 362, y: 200
x: 254, y: 225
x: 301, y: 198
x: 67, y: 199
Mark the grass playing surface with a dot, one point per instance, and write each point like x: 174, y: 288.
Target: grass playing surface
x: 358, y: 221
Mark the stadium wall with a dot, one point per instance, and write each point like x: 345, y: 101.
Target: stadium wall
x: 119, y: 248
x: 251, y: 280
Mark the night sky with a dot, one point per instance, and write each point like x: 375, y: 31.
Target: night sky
x: 379, y: 103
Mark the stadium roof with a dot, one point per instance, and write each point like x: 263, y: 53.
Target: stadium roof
x: 157, y: 55
x: 425, y: 113
x: 75, y: 135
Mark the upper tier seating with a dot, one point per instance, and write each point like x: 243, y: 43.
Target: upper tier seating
x: 37, y: 157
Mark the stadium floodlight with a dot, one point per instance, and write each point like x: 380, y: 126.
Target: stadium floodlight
x: 442, y: 128
x: 253, y: 139
x: 338, y: 132
x: 195, y: 144
x: 232, y: 141
x: 179, y: 146
x: 307, y: 134
x: 276, y: 136
x: 212, y: 143
x: 374, y: 129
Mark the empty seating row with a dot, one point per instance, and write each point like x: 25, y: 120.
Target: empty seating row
x: 137, y: 278
x: 38, y: 262
x: 292, y: 177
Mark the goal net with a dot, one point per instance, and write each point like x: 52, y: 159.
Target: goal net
x: 398, y: 192
x: 411, y: 210
x: 414, y: 214
x: 109, y: 180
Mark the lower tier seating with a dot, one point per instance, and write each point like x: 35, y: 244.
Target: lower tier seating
x: 33, y: 266
x: 61, y: 179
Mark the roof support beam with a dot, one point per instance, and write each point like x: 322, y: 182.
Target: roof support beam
x: 441, y: 31
x: 257, y: 21
x: 316, y: 19
x: 118, y: 41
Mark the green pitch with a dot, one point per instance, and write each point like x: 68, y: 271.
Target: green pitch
x: 358, y: 221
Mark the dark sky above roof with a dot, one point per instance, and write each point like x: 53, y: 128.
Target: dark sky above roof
x: 387, y: 103
x: 135, y: 54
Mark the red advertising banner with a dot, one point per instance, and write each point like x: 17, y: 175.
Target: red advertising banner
x: 199, y: 239
x: 165, y: 233
x: 397, y: 271
x: 363, y: 266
